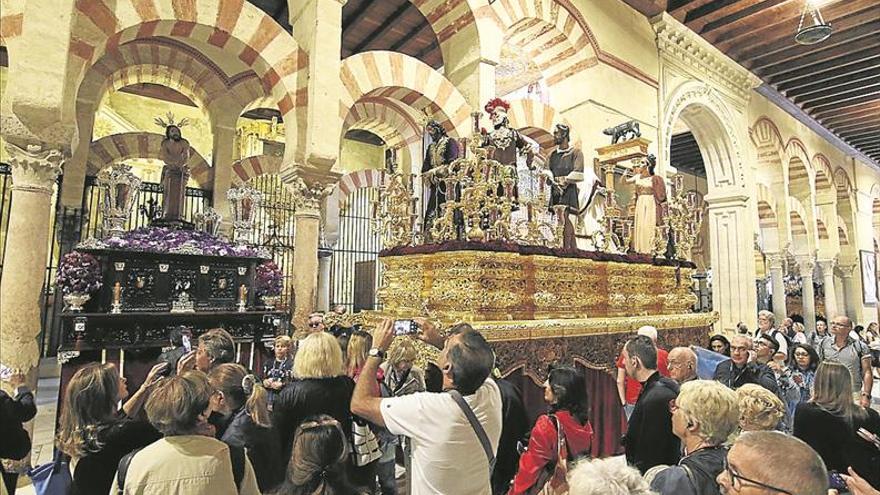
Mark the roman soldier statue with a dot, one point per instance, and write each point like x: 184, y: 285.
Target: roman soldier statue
x: 509, y: 144
x: 566, y: 173
x: 442, y: 151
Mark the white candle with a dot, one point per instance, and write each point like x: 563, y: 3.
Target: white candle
x: 121, y: 362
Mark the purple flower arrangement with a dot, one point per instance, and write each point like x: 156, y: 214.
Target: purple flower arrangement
x: 269, y: 279
x: 165, y: 240
x: 78, y: 273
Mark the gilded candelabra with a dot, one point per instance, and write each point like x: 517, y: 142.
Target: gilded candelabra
x: 617, y: 228
x: 480, y: 193
x: 394, y: 212
x: 683, y: 221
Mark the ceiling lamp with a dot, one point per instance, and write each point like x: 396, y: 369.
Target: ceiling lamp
x: 816, y: 30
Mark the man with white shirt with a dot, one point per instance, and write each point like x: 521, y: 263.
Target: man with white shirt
x: 448, y: 453
x: 767, y: 326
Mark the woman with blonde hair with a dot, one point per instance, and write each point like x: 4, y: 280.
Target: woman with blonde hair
x: 704, y: 415
x: 831, y: 420
x: 759, y: 408
x: 319, y: 386
x: 318, y: 463
x: 243, y: 405
x: 94, y: 432
x: 359, y: 344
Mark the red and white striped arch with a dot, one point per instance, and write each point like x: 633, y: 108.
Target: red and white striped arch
x: 824, y: 176
x: 120, y: 147
x: 11, y: 19
x: 802, y: 231
x: 536, y: 120
x: 403, y: 78
x: 455, y: 25
x: 842, y: 183
x: 799, y: 169
x: 553, y: 33
x: 234, y: 26
x: 247, y: 168
x: 348, y: 183
x: 842, y: 231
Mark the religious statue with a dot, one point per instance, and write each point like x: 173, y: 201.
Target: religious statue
x: 508, y: 143
x: 566, y: 173
x: 440, y: 154
x: 175, y: 152
x: 650, y: 193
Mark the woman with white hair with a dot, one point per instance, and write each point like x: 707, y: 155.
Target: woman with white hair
x: 606, y: 477
x: 704, y: 415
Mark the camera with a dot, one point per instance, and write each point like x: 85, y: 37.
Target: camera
x: 405, y: 327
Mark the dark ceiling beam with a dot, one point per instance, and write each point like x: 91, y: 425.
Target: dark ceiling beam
x: 864, y: 141
x: 390, y: 21
x: 434, y: 45
x: 354, y: 13
x: 829, y: 68
x: 411, y: 35
x: 770, y: 27
x: 847, y: 90
x: 722, y: 10
x: 832, y: 58
x: 806, y: 85
x: 867, y: 131
x: 871, y: 109
x: 847, y: 42
x: 757, y: 13
x: 874, y: 96
x: 851, y: 122
x: 648, y: 8
x: 680, y: 8
x: 849, y: 28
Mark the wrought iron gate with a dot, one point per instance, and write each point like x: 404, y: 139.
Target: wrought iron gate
x: 355, y: 273
x: 275, y: 228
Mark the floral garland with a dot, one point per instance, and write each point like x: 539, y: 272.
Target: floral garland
x: 78, y: 273
x: 178, y: 241
x: 269, y: 279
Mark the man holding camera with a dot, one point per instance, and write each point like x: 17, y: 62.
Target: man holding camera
x: 454, y: 434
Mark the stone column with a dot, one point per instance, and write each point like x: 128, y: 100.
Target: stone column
x: 34, y: 171
x: 850, y: 294
x: 776, y: 266
x: 325, y: 259
x: 733, y: 260
x: 309, y: 190
x: 806, y: 265
x: 827, y: 267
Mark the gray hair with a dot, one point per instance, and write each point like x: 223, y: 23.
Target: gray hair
x: 606, y: 477
x: 780, y: 451
x: 769, y: 315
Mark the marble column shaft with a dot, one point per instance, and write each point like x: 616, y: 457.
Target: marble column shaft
x: 831, y: 308
x: 305, y: 259
x: 325, y: 260
x: 806, y: 266
x: 34, y: 171
x: 776, y: 265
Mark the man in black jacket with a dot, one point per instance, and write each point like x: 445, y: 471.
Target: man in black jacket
x: 14, y: 440
x: 737, y: 371
x: 649, y: 440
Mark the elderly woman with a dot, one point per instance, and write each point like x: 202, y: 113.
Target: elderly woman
x: 606, y: 477
x: 186, y: 460
x: 759, y: 408
x: 319, y: 386
x: 704, y: 415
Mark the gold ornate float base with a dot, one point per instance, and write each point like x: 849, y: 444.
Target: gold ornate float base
x: 473, y: 285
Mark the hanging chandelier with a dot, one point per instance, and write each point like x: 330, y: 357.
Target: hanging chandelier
x: 816, y: 29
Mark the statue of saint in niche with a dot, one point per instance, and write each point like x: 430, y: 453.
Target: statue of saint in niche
x: 175, y: 152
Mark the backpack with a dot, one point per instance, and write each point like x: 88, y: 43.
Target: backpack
x: 788, y: 341
x: 236, y: 455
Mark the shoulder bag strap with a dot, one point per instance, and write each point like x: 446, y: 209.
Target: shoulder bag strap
x: 475, y: 424
x: 123, y: 470
x: 236, y: 456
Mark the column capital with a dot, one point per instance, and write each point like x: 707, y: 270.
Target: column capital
x: 846, y: 270
x: 827, y: 266
x: 309, y: 189
x: 34, y: 168
x: 806, y: 264
x: 776, y: 261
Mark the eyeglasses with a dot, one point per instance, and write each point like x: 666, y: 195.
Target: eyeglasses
x: 801, y: 354
x: 315, y: 324
x: 737, y: 480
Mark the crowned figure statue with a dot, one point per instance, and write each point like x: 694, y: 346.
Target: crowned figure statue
x: 442, y: 151
x: 175, y: 152
x: 508, y: 143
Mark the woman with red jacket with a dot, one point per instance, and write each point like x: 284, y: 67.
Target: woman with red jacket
x: 566, y: 392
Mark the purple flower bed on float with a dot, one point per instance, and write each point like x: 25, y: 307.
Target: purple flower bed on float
x: 78, y: 273
x: 269, y: 279
x: 165, y: 240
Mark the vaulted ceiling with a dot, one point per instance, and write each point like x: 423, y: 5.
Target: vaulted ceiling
x: 836, y: 82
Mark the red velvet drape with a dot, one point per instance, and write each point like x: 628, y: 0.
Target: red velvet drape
x: 606, y: 415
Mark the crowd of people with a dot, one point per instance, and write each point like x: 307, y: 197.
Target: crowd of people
x: 344, y: 411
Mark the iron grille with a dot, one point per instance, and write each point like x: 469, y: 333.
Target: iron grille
x: 275, y: 228
x: 355, y: 271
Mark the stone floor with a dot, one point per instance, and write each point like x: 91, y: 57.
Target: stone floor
x: 44, y: 426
